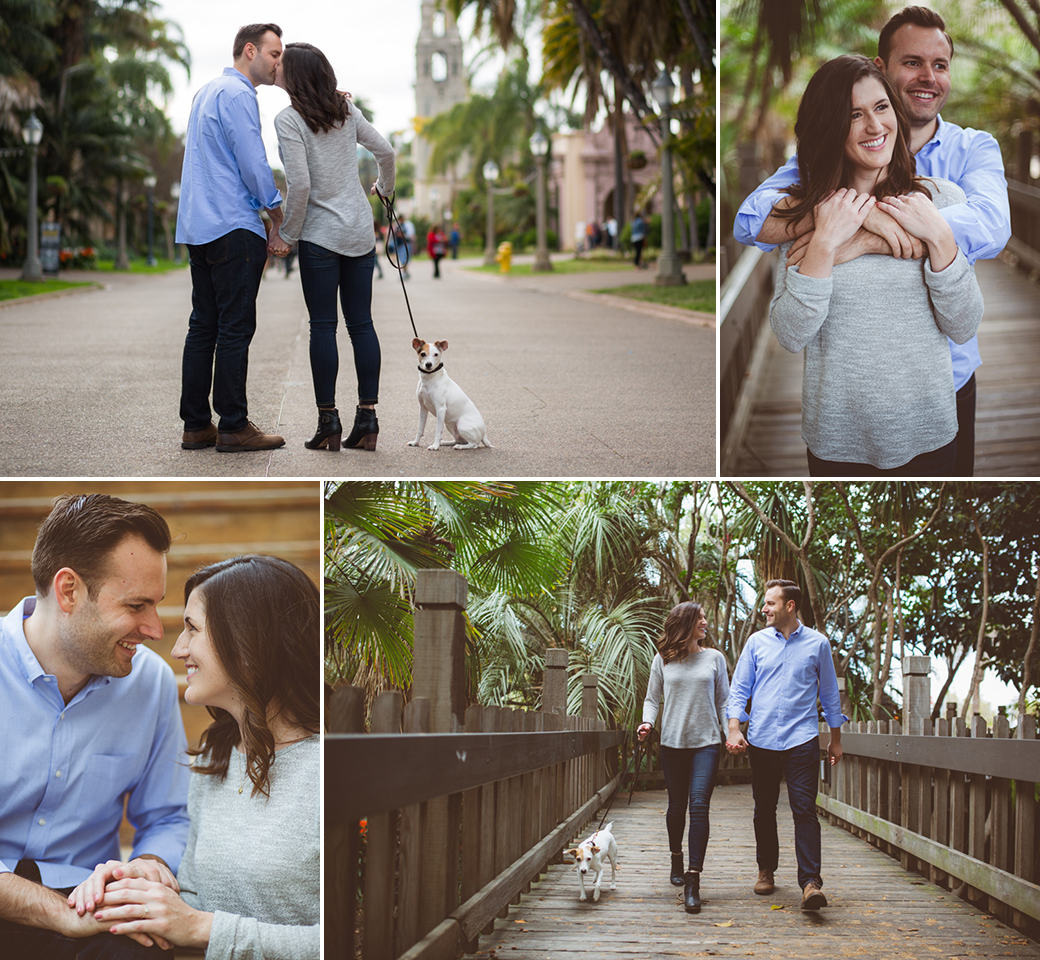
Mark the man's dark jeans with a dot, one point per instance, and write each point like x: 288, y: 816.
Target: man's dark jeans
x: 966, y: 430
x: 800, y: 767
x: 225, y: 278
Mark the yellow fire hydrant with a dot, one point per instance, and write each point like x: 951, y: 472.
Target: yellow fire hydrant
x: 504, y: 256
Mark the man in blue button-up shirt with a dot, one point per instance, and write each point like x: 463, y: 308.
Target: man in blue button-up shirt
x: 225, y: 183
x: 91, y: 721
x: 915, y: 51
x: 783, y: 670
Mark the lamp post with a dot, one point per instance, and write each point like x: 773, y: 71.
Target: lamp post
x: 490, y: 171
x: 149, y: 182
x: 32, y: 134
x: 669, y: 269
x: 122, y: 261
x: 540, y: 149
x: 435, y: 196
x: 175, y: 196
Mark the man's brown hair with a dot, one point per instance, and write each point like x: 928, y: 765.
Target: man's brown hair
x: 81, y: 532
x: 789, y: 590
x: 253, y: 33
x: 919, y: 17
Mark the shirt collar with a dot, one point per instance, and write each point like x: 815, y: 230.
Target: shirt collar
x: 795, y: 633
x: 232, y: 72
x: 28, y: 665
x: 937, y: 137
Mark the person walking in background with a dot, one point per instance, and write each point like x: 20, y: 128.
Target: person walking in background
x: 436, y: 245
x: 225, y: 182
x: 638, y: 238
x: 379, y: 239
x: 692, y: 679
x: 454, y: 239
x: 328, y: 214
x: 784, y: 669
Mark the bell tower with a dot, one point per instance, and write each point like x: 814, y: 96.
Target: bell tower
x: 440, y: 83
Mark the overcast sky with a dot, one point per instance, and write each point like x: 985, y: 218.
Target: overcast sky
x: 371, y: 46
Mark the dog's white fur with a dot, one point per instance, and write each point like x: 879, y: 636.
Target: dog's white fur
x: 444, y: 398
x: 590, y: 856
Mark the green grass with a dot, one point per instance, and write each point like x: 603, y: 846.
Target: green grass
x: 141, y: 266
x: 14, y: 289
x: 564, y: 264
x: 696, y: 295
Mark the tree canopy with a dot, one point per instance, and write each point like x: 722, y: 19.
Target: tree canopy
x: 887, y: 569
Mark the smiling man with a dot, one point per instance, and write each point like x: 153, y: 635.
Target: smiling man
x: 915, y: 52
x: 784, y: 669
x: 91, y: 721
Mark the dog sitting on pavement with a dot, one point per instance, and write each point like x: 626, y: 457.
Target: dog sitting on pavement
x: 591, y: 856
x: 444, y: 398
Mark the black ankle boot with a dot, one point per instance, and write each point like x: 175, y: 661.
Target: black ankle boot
x: 366, y: 429
x: 692, y: 892
x: 329, y: 432
x: 677, y: 869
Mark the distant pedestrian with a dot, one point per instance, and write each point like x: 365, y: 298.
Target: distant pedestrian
x: 638, y: 238
x: 454, y: 239
x: 409, y: 238
x: 436, y: 247
x: 378, y: 231
x: 225, y: 182
x: 611, y: 226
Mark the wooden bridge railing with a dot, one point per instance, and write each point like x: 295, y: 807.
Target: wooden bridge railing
x: 954, y: 802
x: 443, y: 814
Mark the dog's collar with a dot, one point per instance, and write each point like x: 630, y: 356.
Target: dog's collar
x: 434, y: 370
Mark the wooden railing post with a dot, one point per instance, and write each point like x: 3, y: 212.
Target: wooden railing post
x: 346, y: 714
x: 554, y: 706
x: 1025, y: 817
x: 439, y: 675
x: 381, y: 849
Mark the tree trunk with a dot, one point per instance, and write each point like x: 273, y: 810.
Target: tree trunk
x: 976, y: 674
x: 1027, y: 660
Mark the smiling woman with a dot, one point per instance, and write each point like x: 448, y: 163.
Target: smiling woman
x: 252, y: 647
x: 877, y: 389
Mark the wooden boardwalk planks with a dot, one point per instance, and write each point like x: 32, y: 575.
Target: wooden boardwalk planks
x: 877, y: 910
x: 1007, y: 440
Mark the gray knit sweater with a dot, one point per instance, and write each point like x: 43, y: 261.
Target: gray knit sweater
x: 695, y: 692
x: 877, y: 386
x: 325, y: 202
x: 255, y: 862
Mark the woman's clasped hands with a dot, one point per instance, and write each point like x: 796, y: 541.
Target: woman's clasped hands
x: 141, y: 899
x: 841, y: 214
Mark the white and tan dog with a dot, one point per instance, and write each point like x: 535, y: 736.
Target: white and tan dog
x: 444, y: 398
x: 591, y: 856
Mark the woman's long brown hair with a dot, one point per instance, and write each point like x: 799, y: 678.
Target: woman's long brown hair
x: 822, y: 128
x: 674, y: 643
x: 310, y: 82
x: 263, y: 618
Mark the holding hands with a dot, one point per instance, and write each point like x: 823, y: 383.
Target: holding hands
x: 141, y: 899
x: 276, y: 246
x: 837, y: 220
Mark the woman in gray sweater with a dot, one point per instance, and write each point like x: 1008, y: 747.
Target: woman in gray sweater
x: 692, y: 679
x: 249, y: 882
x: 328, y: 215
x: 877, y: 388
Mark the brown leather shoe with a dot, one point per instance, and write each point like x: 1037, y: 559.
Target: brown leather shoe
x: 764, y: 884
x: 812, y: 896
x: 197, y: 439
x: 250, y: 437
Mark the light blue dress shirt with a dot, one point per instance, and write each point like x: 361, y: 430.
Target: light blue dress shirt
x: 67, y: 767
x: 226, y: 179
x: 784, y: 678
x: 981, y: 227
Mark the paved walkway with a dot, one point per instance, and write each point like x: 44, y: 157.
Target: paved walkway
x: 876, y: 909
x: 569, y: 385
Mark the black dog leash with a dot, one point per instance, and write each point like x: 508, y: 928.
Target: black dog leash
x: 633, y: 766
x: 395, y: 260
